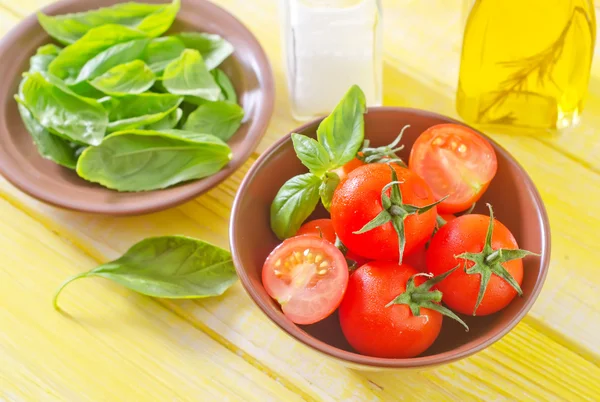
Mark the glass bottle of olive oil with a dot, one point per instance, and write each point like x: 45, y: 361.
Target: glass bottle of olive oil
x: 525, y: 64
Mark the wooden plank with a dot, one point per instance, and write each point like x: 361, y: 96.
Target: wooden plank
x: 111, y: 343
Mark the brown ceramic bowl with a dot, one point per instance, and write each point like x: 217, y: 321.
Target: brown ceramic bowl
x: 20, y: 163
x: 516, y: 203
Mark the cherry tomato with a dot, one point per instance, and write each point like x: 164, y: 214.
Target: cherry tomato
x: 456, y: 161
x: 357, y: 200
x: 324, y: 228
x: 318, y: 227
x: 376, y: 330
x: 343, y: 171
x: 307, y: 276
x: 467, y: 233
x: 417, y: 259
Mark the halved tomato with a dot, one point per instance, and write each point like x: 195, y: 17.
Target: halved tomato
x: 456, y: 162
x: 307, y: 276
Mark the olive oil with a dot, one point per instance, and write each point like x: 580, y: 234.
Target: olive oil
x: 525, y: 64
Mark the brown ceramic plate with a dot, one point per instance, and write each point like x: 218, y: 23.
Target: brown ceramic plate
x: 516, y: 203
x: 21, y: 164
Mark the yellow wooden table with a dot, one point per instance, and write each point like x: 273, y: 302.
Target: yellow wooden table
x: 115, y: 345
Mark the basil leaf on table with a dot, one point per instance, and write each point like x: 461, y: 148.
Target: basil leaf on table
x: 221, y: 119
x: 151, y: 19
x: 227, y: 89
x: 294, y: 202
x: 168, y: 267
x: 92, y: 55
x: 141, y: 160
x: 213, y: 48
x: 342, y: 133
x: 168, y: 122
x: 132, y: 111
x: 134, y: 77
x: 161, y: 51
x: 43, y: 57
x: 311, y: 154
x: 63, y: 112
x: 189, y: 76
x: 50, y: 146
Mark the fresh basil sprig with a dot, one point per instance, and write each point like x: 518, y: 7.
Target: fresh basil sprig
x: 343, y: 131
x: 294, y: 202
x: 339, y: 138
x: 312, y: 154
x: 168, y: 267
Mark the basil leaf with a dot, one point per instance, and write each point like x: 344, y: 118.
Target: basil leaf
x: 213, y: 48
x: 342, y: 132
x: 227, y: 89
x: 311, y: 154
x: 221, y: 119
x: 86, y: 58
x: 294, y: 202
x: 187, y: 108
x: 151, y: 19
x: 134, y: 77
x: 112, y: 57
x: 43, y: 57
x: 60, y: 110
x: 161, y: 20
x: 50, y: 146
x: 162, y: 51
x: 141, y: 160
x: 327, y: 188
x: 170, y: 121
x: 132, y: 111
x: 188, y: 76
x: 168, y: 267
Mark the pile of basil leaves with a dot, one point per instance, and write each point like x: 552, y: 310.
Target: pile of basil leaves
x: 125, y: 107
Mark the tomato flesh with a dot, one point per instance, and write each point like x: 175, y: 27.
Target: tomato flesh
x: 307, y: 276
x: 455, y: 161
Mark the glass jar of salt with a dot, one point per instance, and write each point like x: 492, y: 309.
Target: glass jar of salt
x: 330, y: 45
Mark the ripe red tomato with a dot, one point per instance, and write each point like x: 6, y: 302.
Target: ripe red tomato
x: 467, y: 234
x: 307, y: 276
x: 417, y: 259
x: 456, y: 161
x: 343, y: 171
x: 357, y: 200
x: 324, y: 228
x: 318, y: 227
x: 376, y: 330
